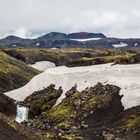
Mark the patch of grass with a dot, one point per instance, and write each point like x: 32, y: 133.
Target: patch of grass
x: 69, y: 137
x: 60, y: 113
x: 49, y: 136
x: 93, y: 101
x: 132, y: 122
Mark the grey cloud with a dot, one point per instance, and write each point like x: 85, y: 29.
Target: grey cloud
x: 118, y: 18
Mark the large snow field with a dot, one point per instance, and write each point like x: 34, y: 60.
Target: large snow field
x: 127, y: 77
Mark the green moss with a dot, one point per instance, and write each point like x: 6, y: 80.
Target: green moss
x: 60, y: 113
x: 49, y: 136
x: 64, y: 123
x: 11, y: 66
x: 6, y: 67
x: 132, y: 122
x: 68, y: 137
x: 9, y: 120
x: 36, y: 108
x: 93, y: 102
x: 106, y: 59
x: 76, y: 94
x: 108, y: 136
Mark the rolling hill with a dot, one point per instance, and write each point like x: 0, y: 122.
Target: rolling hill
x: 62, y: 40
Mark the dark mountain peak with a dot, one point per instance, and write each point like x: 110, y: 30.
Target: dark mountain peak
x: 12, y: 37
x: 54, y: 36
x: 84, y: 35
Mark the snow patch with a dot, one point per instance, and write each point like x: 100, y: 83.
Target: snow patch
x: 54, y: 48
x: 86, y: 39
x: 43, y: 65
x: 136, y: 44
x: 14, y: 45
x: 120, y: 45
x: 38, y: 44
x: 124, y: 76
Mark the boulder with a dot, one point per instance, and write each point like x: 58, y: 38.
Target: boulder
x: 43, y: 100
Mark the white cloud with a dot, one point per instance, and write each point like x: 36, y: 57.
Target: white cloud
x: 23, y: 33
x: 119, y: 18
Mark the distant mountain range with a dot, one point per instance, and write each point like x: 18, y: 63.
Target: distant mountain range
x: 62, y: 40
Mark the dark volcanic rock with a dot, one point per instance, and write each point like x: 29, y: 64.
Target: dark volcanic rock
x: 83, y: 35
x: 10, y: 130
x: 9, y: 133
x: 126, y: 125
x: 136, y: 58
x: 16, y: 55
x: 94, y: 113
x: 80, y: 113
x: 43, y: 100
x: 7, y: 105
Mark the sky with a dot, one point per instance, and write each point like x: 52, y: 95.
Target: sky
x: 32, y: 18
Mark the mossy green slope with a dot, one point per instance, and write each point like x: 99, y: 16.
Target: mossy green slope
x: 13, y: 73
x: 70, y: 56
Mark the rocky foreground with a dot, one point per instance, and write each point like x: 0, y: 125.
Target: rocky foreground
x: 96, y: 113
x: 10, y: 130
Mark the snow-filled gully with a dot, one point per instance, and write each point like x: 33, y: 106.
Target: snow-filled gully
x: 127, y: 77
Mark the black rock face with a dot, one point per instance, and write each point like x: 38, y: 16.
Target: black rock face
x: 11, y: 38
x: 9, y: 133
x: 7, y: 105
x: 84, y: 35
x: 54, y: 36
x: 43, y: 100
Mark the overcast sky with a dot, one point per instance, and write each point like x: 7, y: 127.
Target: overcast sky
x: 30, y: 18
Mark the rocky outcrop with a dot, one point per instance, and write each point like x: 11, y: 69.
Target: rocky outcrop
x: 124, y: 59
x: 134, y: 59
x: 87, y: 62
x: 94, y: 113
x: 126, y: 126
x: 16, y: 55
x: 41, y: 101
x: 80, y: 113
